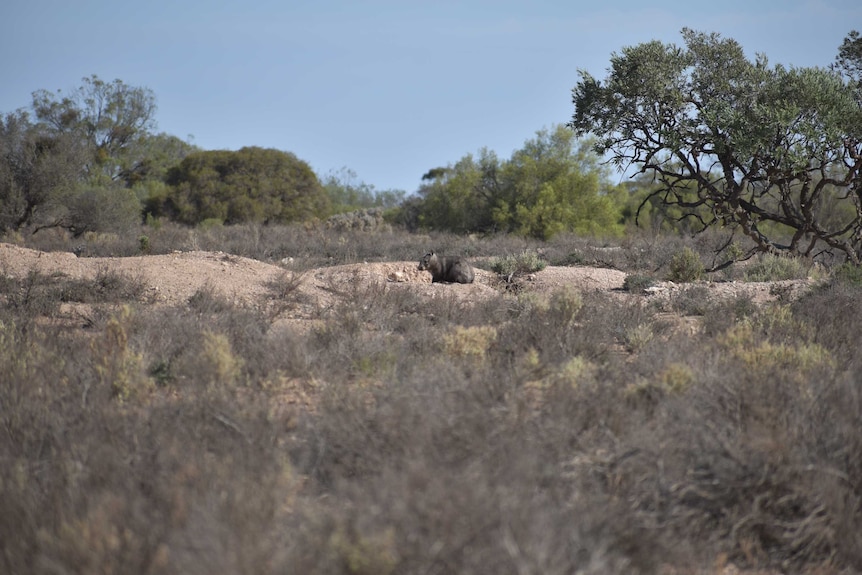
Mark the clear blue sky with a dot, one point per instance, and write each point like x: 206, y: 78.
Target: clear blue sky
x: 388, y: 89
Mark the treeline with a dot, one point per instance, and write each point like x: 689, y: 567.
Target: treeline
x: 770, y: 154
x: 553, y: 184
x: 92, y: 161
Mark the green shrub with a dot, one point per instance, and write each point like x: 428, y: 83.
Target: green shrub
x: 248, y: 185
x: 219, y: 364
x: 849, y: 273
x: 770, y: 267
x: 210, y: 223
x: 103, y: 209
x: 100, y: 209
x: 363, y: 555
x: 524, y: 263
x: 153, y: 222
x: 685, y: 266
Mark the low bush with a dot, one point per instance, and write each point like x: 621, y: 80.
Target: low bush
x: 770, y: 267
x: 638, y: 282
x: 524, y: 263
x: 691, y: 300
x: 685, y: 266
x: 552, y: 433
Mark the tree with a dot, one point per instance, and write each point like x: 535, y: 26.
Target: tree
x: 643, y: 206
x: 553, y: 184
x: 849, y: 59
x: 87, y: 161
x: 347, y: 193
x: 109, y: 118
x: 250, y: 185
x: 766, y: 150
x: 459, y: 198
x: 100, y: 208
x: 39, y: 170
x: 152, y: 156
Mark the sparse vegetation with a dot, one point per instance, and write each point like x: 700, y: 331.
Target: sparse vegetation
x: 564, y: 430
x: 637, y: 283
x: 685, y: 266
x: 769, y: 267
x: 526, y: 262
x: 380, y: 429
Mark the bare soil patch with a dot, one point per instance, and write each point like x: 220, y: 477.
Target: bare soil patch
x: 171, y: 279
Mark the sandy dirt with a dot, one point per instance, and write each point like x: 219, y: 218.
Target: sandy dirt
x: 172, y: 279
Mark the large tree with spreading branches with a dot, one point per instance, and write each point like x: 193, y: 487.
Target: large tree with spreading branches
x: 109, y: 118
x: 774, y: 152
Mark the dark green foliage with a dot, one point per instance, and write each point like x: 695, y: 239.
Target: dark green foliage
x: 152, y: 157
x: 249, y: 185
x: 456, y: 200
x: 102, y: 209
x: 39, y: 169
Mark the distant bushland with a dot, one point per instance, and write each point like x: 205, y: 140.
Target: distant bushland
x: 249, y: 185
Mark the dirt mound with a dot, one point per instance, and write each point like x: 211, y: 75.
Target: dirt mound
x: 173, y: 278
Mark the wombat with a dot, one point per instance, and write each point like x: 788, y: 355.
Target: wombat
x: 447, y: 269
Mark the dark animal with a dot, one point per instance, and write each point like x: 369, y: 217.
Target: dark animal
x: 447, y: 269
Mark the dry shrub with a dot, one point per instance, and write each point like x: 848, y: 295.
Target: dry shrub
x: 691, y: 300
x: 117, y: 366
x: 833, y: 313
x: 742, y: 471
x: 637, y: 283
x: 509, y: 266
x: 472, y: 342
x: 560, y: 452
x: 40, y: 295
x: 435, y: 457
x: 209, y: 301
x: 742, y: 457
x: 722, y: 313
x: 285, y: 294
x: 35, y: 296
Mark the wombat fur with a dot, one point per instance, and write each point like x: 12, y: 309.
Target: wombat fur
x: 447, y: 269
